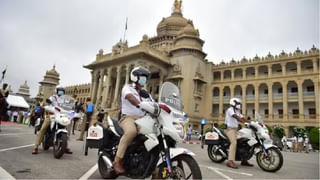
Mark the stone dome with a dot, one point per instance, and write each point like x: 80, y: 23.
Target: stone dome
x: 189, y: 30
x: 53, y: 71
x: 172, y: 25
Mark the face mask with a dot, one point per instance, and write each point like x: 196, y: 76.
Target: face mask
x: 238, y: 106
x: 60, y: 93
x: 142, y: 80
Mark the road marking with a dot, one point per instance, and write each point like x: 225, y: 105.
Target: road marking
x: 18, y: 147
x: 5, y: 175
x: 217, y: 170
x: 8, y: 134
x: 89, y: 173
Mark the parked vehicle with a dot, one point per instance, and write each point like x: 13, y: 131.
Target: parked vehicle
x: 150, y: 149
x: 56, y: 134
x: 252, y: 139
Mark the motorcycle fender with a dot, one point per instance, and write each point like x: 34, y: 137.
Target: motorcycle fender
x: 151, y: 142
x: 267, y: 146
x: 208, y: 142
x: 61, y: 130
x: 174, y: 152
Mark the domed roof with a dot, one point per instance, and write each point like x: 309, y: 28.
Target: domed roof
x: 25, y: 85
x: 172, y: 24
x: 189, y: 30
x: 53, y: 71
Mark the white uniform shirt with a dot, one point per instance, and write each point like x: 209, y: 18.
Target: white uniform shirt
x: 230, y: 121
x: 56, y: 100
x: 126, y: 107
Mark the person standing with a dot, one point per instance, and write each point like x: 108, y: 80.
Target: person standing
x: 189, y: 131
x: 233, y: 116
x: 306, y: 143
x: 3, y: 105
x: 15, y: 115
x: 300, y: 143
x: 89, y: 109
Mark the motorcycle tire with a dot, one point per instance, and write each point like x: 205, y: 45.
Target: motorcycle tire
x: 105, y: 172
x: 35, y: 130
x: 216, y: 157
x: 179, y: 164
x: 60, y: 146
x: 45, y: 143
x: 264, y: 162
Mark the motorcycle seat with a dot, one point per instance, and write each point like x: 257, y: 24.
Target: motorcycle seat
x: 117, y: 127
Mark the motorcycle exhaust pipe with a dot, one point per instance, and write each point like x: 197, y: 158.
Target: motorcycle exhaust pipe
x: 107, y: 161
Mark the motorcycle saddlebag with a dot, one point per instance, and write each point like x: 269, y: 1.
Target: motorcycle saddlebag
x: 211, y: 138
x: 95, y: 136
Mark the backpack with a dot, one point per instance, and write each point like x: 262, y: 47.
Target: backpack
x: 38, y: 109
x: 90, y: 108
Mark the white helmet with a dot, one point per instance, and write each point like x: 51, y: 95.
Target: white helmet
x: 137, y: 72
x: 235, y: 101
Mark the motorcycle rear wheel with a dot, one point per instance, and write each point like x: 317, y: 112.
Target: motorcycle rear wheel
x: 179, y: 164
x: 265, y: 162
x: 214, y: 154
x: 45, y: 143
x: 60, y: 146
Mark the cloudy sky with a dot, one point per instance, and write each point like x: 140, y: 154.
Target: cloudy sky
x: 36, y: 34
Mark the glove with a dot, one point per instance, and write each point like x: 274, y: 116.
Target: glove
x: 149, y: 107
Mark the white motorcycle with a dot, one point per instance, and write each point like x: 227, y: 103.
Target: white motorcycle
x: 253, y: 139
x: 60, y: 117
x: 155, y: 145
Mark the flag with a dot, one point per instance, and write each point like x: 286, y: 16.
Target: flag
x: 126, y: 24
x: 4, y: 73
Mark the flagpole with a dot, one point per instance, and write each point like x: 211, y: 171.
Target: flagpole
x: 125, y: 30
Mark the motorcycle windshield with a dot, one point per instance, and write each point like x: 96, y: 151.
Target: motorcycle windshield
x: 170, y: 96
x: 66, y: 102
x: 258, y: 118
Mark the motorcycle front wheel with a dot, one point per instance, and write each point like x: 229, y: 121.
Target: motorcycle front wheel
x: 60, y: 146
x: 183, y: 167
x: 105, y: 171
x: 272, y: 161
x: 214, y: 154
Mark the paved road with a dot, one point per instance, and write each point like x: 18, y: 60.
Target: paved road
x: 16, y: 160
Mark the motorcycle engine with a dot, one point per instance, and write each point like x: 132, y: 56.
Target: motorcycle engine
x: 136, y: 162
x: 243, y: 150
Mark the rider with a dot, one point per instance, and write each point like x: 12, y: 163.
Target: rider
x: 55, y: 99
x: 233, y: 115
x: 130, y: 100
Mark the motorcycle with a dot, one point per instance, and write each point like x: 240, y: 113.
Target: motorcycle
x: 154, y: 149
x: 252, y: 139
x: 60, y: 117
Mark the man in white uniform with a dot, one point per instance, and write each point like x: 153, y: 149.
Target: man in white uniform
x: 130, y: 111
x: 233, y: 115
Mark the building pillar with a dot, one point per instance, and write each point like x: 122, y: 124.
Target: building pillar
x: 256, y: 98
x: 106, y: 91
x: 116, y: 92
x: 300, y: 100
x: 232, y: 74
x: 161, y: 74
x: 94, y: 90
x: 127, y: 74
x: 221, y: 103
x: 231, y: 91
x: 270, y: 101
x: 269, y: 70
x: 283, y: 67
x: 244, y: 100
x: 221, y: 77
x: 298, y: 67
x: 285, y: 100
x: 92, y: 84
x: 316, y: 93
x: 315, y: 64
x: 256, y: 72
x: 100, y: 86
x: 244, y: 73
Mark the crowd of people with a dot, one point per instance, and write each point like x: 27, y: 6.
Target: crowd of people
x: 296, y: 144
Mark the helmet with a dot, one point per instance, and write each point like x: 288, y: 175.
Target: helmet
x: 235, y: 101
x: 59, y: 89
x: 137, y: 72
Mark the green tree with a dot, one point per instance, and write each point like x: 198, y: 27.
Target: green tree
x: 269, y: 129
x: 314, y: 137
x: 298, y: 131
x: 278, y: 131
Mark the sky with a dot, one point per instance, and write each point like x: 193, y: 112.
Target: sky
x: 37, y: 34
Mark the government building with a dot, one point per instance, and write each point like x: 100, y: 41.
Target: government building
x: 283, y: 89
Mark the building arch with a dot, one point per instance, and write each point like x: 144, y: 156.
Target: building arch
x: 250, y: 72
x: 238, y: 73
x: 291, y: 67
x: 227, y: 75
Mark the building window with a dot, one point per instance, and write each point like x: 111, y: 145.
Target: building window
x: 312, y: 111
x: 294, y: 89
x: 280, y: 111
x: 266, y: 91
x: 253, y: 111
x: 310, y: 88
x: 280, y: 90
x: 295, y: 111
x: 266, y: 111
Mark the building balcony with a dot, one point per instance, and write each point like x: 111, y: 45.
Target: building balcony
x: 263, y: 96
x: 250, y: 96
x: 276, y: 73
x: 308, y: 93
